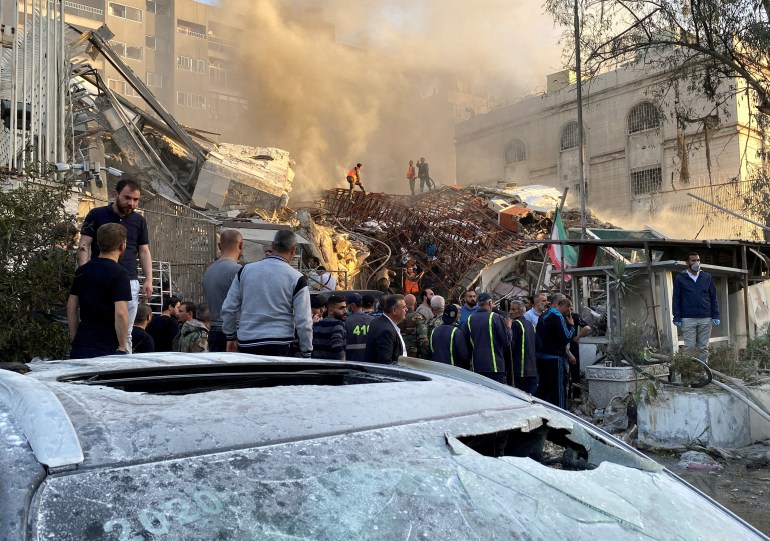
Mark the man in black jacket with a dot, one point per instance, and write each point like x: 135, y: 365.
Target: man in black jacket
x: 695, y: 306
x: 447, y: 341
x: 384, y: 344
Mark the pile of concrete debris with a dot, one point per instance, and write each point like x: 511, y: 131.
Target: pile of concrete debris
x: 460, y: 237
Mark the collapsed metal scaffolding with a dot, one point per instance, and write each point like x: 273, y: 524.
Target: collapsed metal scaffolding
x: 462, y: 230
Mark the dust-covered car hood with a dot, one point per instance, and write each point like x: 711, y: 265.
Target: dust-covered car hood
x: 433, y: 452
x: 416, y: 481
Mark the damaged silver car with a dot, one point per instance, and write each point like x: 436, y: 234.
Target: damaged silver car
x: 228, y: 446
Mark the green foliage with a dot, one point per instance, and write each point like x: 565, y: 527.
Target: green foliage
x: 647, y: 392
x: 682, y: 364
x: 757, y: 352
x: 621, y: 280
x: 633, y: 344
x: 705, y: 44
x: 37, y: 269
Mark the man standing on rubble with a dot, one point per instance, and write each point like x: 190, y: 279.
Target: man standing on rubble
x: 424, y: 174
x: 354, y: 178
x: 695, y: 306
x: 411, y: 175
x: 121, y: 211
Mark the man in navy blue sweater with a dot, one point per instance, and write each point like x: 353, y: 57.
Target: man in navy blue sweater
x: 695, y: 306
x: 554, y: 332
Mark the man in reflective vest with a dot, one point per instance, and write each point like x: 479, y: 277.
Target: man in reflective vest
x: 447, y: 342
x: 354, y: 178
x: 356, y: 327
x: 411, y: 175
x: 523, y: 349
x: 489, y: 334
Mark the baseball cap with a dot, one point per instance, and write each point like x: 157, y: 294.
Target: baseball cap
x: 450, y: 313
x: 354, y: 298
x: 484, y: 297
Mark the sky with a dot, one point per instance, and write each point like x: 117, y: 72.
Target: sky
x: 339, y: 82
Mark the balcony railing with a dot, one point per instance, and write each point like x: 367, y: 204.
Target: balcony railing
x: 188, y: 32
x: 221, y: 42
x: 80, y: 10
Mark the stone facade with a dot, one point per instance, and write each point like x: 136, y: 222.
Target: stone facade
x: 638, y: 161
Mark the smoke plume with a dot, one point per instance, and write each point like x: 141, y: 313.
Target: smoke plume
x: 352, y: 81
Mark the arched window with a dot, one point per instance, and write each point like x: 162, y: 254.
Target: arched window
x: 515, y: 151
x: 569, y: 136
x: 643, y: 116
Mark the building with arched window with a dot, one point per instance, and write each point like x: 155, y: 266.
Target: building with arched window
x: 515, y: 159
x: 640, y: 159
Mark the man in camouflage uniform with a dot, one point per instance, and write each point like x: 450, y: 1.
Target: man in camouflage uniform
x: 414, y: 330
x: 437, y: 305
x: 193, y: 337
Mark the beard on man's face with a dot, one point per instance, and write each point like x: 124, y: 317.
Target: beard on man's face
x: 125, y: 209
x: 471, y: 302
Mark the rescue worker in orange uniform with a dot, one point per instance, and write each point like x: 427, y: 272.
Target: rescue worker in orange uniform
x: 354, y: 178
x: 411, y: 175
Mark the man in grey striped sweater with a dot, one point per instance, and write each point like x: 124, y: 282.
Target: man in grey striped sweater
x: 272, y: 301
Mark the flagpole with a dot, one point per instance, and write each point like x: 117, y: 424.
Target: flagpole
x: 581, y: 164
x: 541, y: 276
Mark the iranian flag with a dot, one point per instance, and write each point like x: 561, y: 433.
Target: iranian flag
x: 555, y: 250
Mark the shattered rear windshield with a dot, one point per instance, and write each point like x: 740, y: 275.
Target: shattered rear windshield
x: 405, y: 482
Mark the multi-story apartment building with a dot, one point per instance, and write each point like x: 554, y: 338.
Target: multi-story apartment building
x: 182, y: 49
x: 639, y: 160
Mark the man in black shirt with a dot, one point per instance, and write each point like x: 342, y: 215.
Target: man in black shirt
x: 122, y: 211
x: 164, y: 328
x: 424, y: 173
x: 97, y: 308
x: 141, y: 341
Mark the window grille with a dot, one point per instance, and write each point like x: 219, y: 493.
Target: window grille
x: 646, y: 181
x: 569, y: 136
x: 191, y: 64
x: 643, y: 116
x: 515, y: 151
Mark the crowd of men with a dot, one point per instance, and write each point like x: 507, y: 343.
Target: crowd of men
x: 104, y: 312
x: 265, y: 308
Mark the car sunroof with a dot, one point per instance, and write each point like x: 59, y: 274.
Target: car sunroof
x: 188, y: 379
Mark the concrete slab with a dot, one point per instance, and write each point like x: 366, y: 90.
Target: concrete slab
x: 716, y: 418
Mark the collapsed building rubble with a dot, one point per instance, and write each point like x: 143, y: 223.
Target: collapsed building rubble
x: 176, y: 162
x: 454, y: 234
